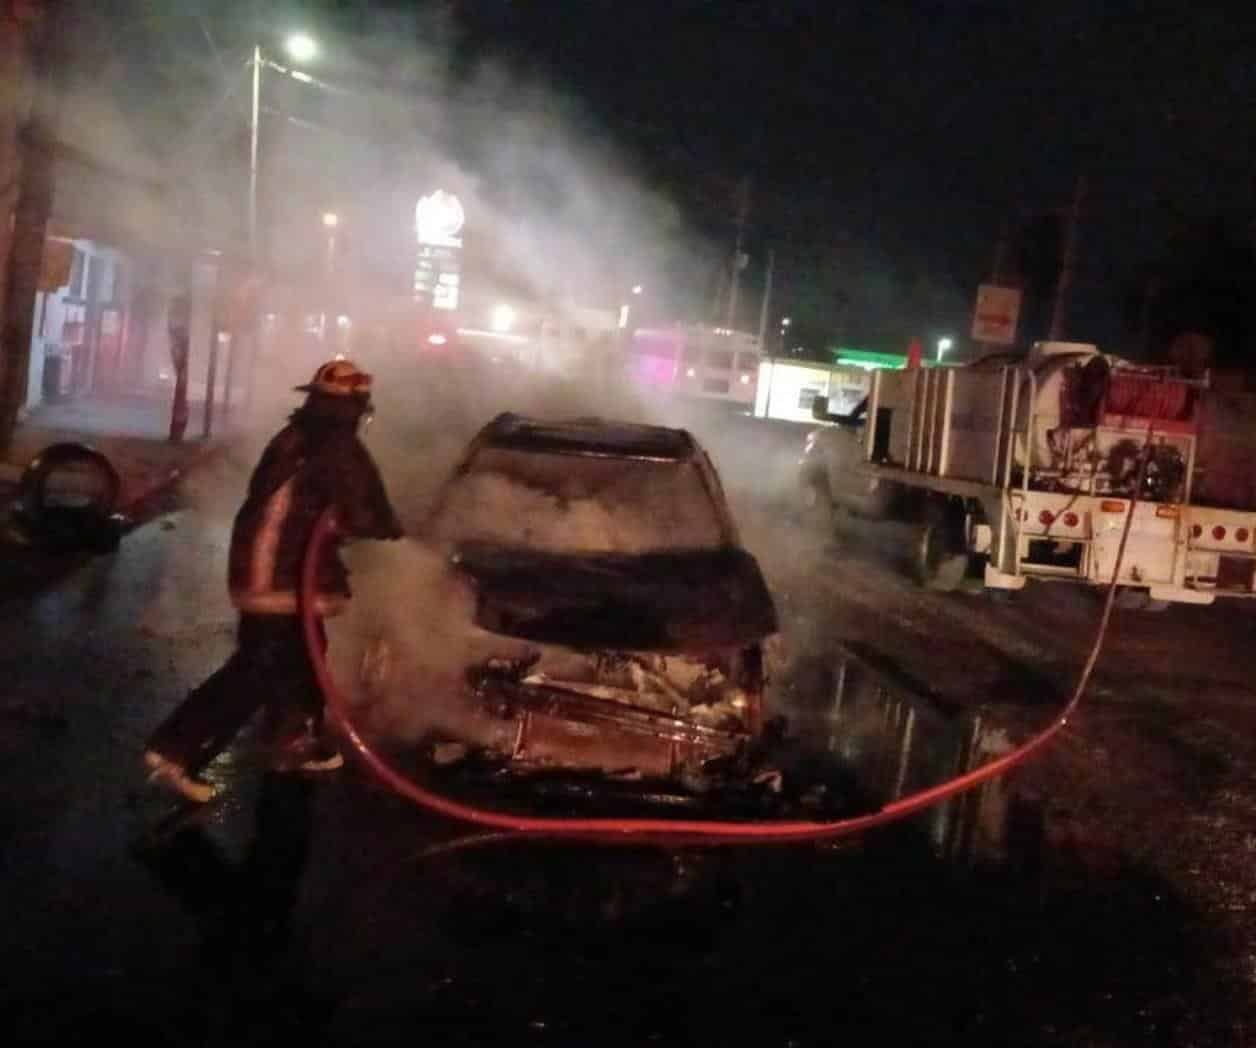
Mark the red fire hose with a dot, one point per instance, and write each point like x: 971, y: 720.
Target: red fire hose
x: 688, y: 831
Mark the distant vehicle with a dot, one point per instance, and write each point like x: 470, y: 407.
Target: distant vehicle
x: 698, y: 362
x: 620, y: 623
x: 1027, y: 463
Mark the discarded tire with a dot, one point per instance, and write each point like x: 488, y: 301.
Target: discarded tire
x: 66, y: 500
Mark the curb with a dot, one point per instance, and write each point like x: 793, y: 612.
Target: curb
x: 172, y: 478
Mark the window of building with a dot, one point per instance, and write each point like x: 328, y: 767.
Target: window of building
x: 105, y: 278
x: 78, y: 270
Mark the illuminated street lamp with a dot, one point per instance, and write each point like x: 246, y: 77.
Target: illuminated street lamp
x: 331, y: 222
x: 944, y: 346
x: 301, y: 47
x: 502, y: 319
x: 625, y: 310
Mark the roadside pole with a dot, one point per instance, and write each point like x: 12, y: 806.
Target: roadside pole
x: 211, y: 379
x: 1067, y: 261
x: 252, y: 319
x: 33, y: 207
x: 767, y: 299
x: 763, y: 329
x: 743, y: 208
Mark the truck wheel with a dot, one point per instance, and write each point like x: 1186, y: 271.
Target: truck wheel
x: 815, y: 505
x: 941, y: 559
x: 1001, y: 596
x: 1132, y: 599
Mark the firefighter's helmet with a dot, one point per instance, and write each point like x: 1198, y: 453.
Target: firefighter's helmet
x: 338, y: 378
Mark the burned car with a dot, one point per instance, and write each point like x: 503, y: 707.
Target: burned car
x: 619, y: 624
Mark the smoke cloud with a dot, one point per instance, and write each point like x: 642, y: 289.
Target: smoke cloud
x: 558, y: 219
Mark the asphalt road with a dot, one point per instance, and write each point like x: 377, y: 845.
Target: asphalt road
x: 1101, y: 895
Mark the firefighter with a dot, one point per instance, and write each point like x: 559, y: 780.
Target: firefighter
x: 316, y: 461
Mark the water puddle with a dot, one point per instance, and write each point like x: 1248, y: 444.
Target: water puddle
x: 893, y: 742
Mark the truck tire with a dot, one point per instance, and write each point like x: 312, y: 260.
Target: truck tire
x: 941, y: 558
x: 814, y: 502
x: 1133, y: 599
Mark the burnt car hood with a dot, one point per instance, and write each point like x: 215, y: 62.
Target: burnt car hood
x: 683, y: 601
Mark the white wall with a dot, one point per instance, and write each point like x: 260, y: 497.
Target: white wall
x: 51, y: 309
x: 786, y: 389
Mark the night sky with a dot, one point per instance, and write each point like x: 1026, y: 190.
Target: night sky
x: 896, y: 136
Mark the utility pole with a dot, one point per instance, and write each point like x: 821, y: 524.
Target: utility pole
x: 763, y: 307
x: 743, y: 207
x: 1000, y: 253
x: 34, y: 162
x: 1067, y: 261
x: 254, y: 116
x: 254, y: 321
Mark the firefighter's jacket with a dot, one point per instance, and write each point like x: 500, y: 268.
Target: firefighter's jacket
x: 300, y: 475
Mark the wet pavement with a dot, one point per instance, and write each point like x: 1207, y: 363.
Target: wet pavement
x: 1051, y: 907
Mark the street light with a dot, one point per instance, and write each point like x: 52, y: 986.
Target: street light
x: 502, y: 318
x: 944, y: 346
x: 301, y: 47
x: 636, y: 289
x: 331, y: 222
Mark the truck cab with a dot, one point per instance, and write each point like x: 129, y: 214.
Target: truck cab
x: 831, y: 477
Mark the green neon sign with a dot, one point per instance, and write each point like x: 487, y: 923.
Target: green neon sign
x: 869, y: 358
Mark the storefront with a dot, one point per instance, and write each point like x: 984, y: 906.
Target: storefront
x: 788, y: 388
x: 80, y: 343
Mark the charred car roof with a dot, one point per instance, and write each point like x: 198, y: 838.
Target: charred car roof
x: 590, y: 436
x: 695, y: 589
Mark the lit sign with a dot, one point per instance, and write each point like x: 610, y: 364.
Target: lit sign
x: 438, y: 219
x: 445, y: 295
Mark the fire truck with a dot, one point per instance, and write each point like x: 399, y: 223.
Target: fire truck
x: 1025, y: 465
x: 697, y: 362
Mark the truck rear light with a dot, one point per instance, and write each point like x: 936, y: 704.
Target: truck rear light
x: 1046, y: 517
x: 1242, y: 535
x: 1112, y: 506
x: 1218, y: 532
x: 1071, y: 520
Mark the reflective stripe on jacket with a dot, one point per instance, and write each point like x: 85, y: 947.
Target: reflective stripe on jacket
x: 299, y: 475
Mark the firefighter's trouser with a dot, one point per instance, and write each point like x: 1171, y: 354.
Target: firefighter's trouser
x: 270, y: 667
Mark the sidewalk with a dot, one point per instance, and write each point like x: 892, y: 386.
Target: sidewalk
x: 130, y: 431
